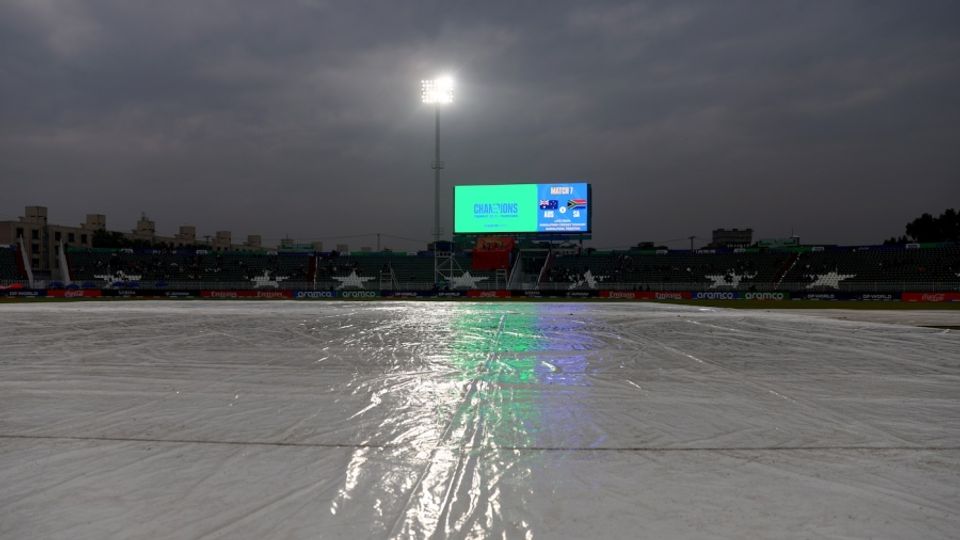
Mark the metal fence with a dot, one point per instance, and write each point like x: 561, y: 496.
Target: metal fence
x: 859, y: 287
x: 872, y: 286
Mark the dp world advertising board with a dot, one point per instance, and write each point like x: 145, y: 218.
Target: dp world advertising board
x: 561, y: 207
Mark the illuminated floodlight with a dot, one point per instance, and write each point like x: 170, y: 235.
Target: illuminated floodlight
x: 437, y: 91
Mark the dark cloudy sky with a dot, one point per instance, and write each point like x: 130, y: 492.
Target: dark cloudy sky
x: 839, y: 120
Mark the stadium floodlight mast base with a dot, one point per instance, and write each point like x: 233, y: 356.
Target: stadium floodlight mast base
x: 436, y: 92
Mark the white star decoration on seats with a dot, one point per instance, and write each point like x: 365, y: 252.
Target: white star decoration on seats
x: 265, y: 281
x: 720, y: 280
x: 831, y: 279
x: 118, y: 276
x: 466, y: 281
x: 353, y: 280
x: 588, y: 279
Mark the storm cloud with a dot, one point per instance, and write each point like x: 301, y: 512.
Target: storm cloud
x: 835, y: 120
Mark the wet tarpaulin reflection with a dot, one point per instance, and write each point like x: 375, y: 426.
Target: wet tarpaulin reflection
x: 503, y: 359
x: 499, y: 379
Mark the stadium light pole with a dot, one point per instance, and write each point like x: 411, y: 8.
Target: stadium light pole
x: 436, y: 92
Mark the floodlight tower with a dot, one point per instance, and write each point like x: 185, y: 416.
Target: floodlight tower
x: 436, y: 92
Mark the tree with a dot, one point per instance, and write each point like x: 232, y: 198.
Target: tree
x: 108, y: 239
x: 927, y: 228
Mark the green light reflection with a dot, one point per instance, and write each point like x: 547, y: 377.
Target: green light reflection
x: 499, y: 355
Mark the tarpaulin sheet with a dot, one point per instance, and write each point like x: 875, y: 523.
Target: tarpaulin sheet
x: 244, y: 419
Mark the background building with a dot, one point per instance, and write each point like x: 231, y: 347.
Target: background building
x: 41, y: 239
x: 732, y: 237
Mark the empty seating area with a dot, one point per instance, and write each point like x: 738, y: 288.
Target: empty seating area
x: 871, y: 268
x: 406, y: 268
x: 9, y: 267
x: 234, y: 267
x: 412, y: 268
x: 878, y: 265
x: 463, y: 261
x: 157, y: 268
x: 105, y: 265
x: 714, y: 270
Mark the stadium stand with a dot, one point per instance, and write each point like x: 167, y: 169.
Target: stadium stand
x: 871, y: 268
x: 108, y: 265
x: 839, y: 267
x: 400, y: 267
x: 96, y: 267
x: 10, y: 268
x: 257, y: 267
x: 487, y: 277
x: 705, y: 269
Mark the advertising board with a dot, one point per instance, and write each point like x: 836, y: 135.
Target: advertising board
x: 561, y: 207
x: 931, y: 297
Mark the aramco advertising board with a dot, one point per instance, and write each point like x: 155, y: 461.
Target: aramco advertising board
x: 561, y: 207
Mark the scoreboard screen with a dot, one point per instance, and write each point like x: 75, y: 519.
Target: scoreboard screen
x: 561, y: 207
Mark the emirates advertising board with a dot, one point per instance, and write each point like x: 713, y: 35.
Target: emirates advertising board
x: 562, y: 207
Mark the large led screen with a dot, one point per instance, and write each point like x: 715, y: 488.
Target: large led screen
x: 522, y: 208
